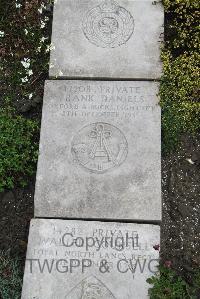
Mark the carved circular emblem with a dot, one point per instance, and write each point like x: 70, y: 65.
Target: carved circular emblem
x: 90, y: 288
x: 108, y: 25
x: 99, y: 147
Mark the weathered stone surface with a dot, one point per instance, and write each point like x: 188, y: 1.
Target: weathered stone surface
x: 100, y: 151
x: 107, y: 39
x: 89, y: 260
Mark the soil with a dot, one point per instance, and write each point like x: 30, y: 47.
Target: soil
x: 181, y: 210
x: 15, y: 215
x: 181, y: 206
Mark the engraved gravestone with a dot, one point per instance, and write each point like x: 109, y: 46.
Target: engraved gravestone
x: 99, y: 151
x: 107, y: 39
x: 89, y: 260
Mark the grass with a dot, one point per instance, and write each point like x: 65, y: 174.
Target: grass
x: 18, y: 148
x: 10, y: 277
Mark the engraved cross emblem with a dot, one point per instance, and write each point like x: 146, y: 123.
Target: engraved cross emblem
x: 100, y: 147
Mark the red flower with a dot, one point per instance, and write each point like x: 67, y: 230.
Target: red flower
x: 168, y: 264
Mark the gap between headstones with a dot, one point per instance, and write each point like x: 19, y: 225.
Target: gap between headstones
x: 100, y: 79
x: 104, y: 220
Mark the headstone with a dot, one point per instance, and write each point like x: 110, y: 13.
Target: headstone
x: 100, y: 151
x: 107, y: 39
x: 89, y: 260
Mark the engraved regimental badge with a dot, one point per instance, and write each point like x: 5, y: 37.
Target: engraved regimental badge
x: 90, y: 288
x: 108, y: 25
x: 99, y: 147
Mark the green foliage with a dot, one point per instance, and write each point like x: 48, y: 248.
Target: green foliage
x: 10, y: 277
x: 168, y: 285
x: 196, y: 283
x: 25, y: 31
x: 179, y: 97
x: 182, y: 30
x: 18, y: 148
x: 25, y: 47
x: 180, y: 82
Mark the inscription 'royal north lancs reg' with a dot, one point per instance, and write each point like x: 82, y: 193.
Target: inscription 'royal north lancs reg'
x: 108, y: 25
x: 99, y: 147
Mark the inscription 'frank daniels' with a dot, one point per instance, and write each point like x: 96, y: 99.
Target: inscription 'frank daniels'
x: 119, y: 102
x: 99, y: 147
x: 108, y: 25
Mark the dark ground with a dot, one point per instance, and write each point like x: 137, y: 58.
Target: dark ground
x: 181, y: 206
x: 181, y: 210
